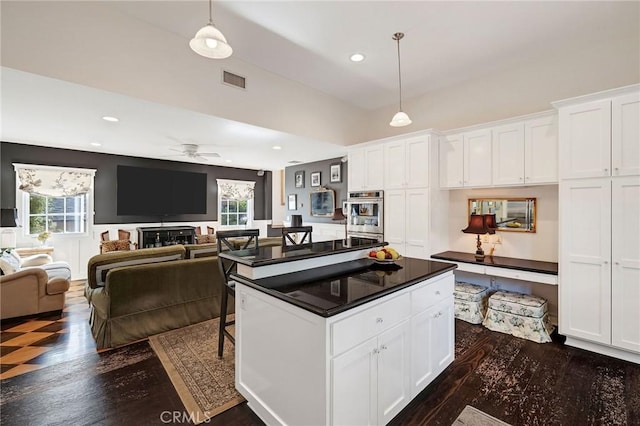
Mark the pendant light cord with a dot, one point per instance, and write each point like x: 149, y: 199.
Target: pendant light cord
x: 210, y: 19
x: 397, y: 37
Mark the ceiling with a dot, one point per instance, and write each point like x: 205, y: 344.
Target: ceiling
x: 308, y: 42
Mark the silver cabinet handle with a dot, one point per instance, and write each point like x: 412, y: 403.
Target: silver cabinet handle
x: 520, y: 178
x: 606, y: 170
x: 617, y: 263
x: 437, y: 292
x: 383, y: 347
x: 376, y: 351
x: 379, y: 320
x: 606, y: 262
x: 438, y: 315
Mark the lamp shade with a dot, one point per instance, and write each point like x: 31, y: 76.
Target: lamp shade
x: 400, y: 119
x: 210, y: 42
x: 490, y: 221
x: 9, y: 218
x: 296, y: 220
x: 338, y: 214
x: 477, y: 225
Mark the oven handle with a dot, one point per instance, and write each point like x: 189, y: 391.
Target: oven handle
x: 365, y: 200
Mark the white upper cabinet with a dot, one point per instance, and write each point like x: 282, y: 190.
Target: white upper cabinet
x: 585, y: 132
x: 541, y: 150
x: 526, y: 152
x: 508, y: 154
x: 625, y: 135
x: 366, y: 168
x: 406, y: 163
x: 451, y: 156
x: 477, y: 158
x: 600, y: 134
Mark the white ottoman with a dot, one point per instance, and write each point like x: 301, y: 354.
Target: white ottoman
x: 470, y: 302
x: 521, y: 315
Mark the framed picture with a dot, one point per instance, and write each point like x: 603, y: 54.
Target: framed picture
x: 336, y: 175
x: 315, y: 179
x: 293, y: 202
x: 299, y: 177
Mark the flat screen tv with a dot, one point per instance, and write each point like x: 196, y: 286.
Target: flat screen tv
x: 160, y: 192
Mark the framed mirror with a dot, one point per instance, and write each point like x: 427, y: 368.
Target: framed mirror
x: 512, y: 214
x: 323, y: 202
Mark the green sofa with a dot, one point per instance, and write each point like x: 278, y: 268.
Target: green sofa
x: 139, y: 293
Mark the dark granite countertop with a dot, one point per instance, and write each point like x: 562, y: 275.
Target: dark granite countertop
x: 278, y: 254
x: 330, y: 290
x: 550, y: 268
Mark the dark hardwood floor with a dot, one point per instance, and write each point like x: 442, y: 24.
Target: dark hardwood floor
x: 517, y: 381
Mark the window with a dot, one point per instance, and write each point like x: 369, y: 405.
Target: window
x: 234, y: 212
x: 57, y: 215
x: 57, y: 200
x: 235, y: 203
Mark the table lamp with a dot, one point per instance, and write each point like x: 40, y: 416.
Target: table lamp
x: 8, y: 219
x: 478, y: 226
x: 339, y: 215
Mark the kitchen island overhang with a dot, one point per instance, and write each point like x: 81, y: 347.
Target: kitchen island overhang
x: 349, y: 347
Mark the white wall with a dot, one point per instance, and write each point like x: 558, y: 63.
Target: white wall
x: 528, y: 86
x: 541, y: 245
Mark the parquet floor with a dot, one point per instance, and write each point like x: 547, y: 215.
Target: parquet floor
x: 30, y: 343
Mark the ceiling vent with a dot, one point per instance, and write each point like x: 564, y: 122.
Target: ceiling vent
x: 235, y: 80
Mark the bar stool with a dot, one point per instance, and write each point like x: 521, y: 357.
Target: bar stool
x: 226, y: 267
x: 287, y: 238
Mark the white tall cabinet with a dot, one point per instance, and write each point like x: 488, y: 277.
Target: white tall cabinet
x: 599, y: 268
x: 408, y: 174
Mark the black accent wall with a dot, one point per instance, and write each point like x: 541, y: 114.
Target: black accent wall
x: 105, y: 196
x: 303, y: 194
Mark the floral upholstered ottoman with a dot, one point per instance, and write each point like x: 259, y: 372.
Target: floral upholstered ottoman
x: 470, y: 302
x: 521, y: 315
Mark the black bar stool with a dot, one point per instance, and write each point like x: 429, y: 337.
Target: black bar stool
x: 288, y: 239
x: 226, y: 267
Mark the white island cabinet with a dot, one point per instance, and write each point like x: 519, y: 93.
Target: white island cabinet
x: 361, y: 366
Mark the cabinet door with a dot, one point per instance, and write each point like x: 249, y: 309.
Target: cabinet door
x: 416, y: 223
x: 477, y: 158
x: 421, y: 354
x: 442, y: 335
x: 356, y: 169
x: 374, y: 162
x: 451, y: 153
x: 417, y: 162
x: 625, y: 135
x: 541, y: 150
x: 394, y: 219
x: 394, y: 387
x: 585, y: 252
x: 625, y: 254
x: 354, y: 385
x: 585, y: 140
x: 394, y: 165
x: 508, y: 154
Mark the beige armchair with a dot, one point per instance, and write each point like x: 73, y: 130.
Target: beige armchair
x: 36, y: 285
x: 31, y: 291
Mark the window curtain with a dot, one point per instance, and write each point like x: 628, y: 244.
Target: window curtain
x: 54, y: 181
x: 236, y: 189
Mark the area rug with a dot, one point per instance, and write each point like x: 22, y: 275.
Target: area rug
x: 205, y: 383
x: 471, y: 416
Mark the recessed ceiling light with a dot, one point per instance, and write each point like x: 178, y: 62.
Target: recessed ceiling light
x: 112, y: 119
x: 96, y: 144
x: 227, y: 161
x: 295, y: 162
x: 276, y: 147
x: 357, y: 57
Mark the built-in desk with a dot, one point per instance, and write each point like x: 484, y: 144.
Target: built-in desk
x: 507, y: 267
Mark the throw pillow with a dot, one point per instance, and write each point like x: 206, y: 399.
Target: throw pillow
x: 36, y: 260
x: 8, y: 263
x: 116, y: 245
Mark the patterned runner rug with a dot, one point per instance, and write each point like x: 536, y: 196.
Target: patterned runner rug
x: 206, y: 384
x: 471, y: 416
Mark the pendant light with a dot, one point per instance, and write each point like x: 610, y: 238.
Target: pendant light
x: 210, y: 42
x: 401, y: 118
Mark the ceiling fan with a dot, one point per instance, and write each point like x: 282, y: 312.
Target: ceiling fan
x: 190, y: 150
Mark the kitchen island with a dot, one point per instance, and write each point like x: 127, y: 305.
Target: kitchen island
x: 351, y: 342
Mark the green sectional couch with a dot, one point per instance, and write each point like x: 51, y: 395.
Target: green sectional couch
x: 139, y: 293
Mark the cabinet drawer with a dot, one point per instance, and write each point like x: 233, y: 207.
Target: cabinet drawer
x: 536, y: 277
x: 357, y: 328
x: 431, y: 294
